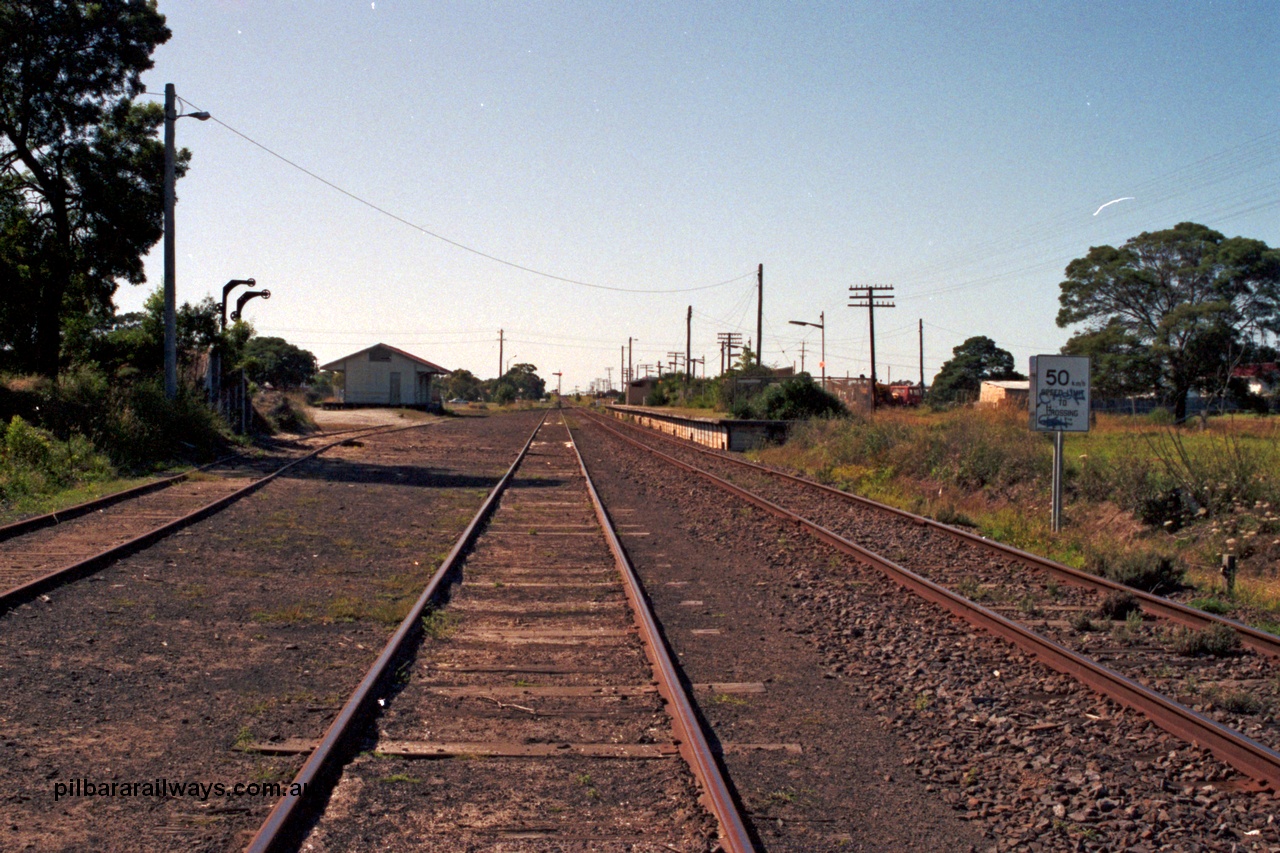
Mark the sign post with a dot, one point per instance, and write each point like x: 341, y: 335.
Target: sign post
x: 1059, y: 402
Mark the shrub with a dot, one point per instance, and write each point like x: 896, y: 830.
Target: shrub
x: 1215, y: 641
x: 797, y: 398
x: 1082, y: 624
x: 973, y: 448
x: 1117, y: 605
x: 145, y: 427
x: 33, y: 461
x: 1142, y: 570
x: 1240, y: 702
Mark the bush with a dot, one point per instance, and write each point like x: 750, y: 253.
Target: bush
x: 797, y: 398
x: 283, y: 413
x: 1117, y: 605
x: 131, y: 422
x: 33, y: 461
x: 974, y: 448
x: 1144, y: 570
x: 145, y: 427
x: 1215, y: 641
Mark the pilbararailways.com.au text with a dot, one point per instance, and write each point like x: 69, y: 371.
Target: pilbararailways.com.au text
x: 163, y: 789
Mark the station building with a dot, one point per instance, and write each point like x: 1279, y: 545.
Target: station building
x: 383, y: 375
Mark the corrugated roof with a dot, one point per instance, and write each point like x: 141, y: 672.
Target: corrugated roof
x: 337, y: 363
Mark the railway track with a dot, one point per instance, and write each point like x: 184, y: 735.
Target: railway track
x: 1144, y: 669
x: 540, y: 707
x: 38, y: 554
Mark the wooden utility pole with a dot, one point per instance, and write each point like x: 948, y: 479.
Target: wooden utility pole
x: 760, y: 316
x: 921, y: 355
x: 688, y: 345
x: 500, y: 361
x: 864, y: 296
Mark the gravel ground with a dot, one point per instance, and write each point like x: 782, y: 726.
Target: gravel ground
x: 1025, y: 757
x: 535, y: 648
x: 252, y: 625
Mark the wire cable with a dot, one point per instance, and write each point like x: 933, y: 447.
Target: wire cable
x: 331, y: 185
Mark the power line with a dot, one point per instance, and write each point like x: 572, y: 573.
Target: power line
x: 331, y: 185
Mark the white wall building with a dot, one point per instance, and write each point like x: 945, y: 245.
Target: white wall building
x: 382, y: 375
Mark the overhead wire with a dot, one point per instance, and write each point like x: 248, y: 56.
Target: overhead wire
x: 463, y: 246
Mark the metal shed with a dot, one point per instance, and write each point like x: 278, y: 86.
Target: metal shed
x: 1004, y: 392
x: 383, y: 375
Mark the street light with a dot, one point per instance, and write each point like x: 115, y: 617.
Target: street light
x: 171, y: 116
x: 821, y: 324
x: 226, y: 292
x: 245, y: 297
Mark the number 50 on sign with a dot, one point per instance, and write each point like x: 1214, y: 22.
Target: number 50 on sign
x: 1059, y: 393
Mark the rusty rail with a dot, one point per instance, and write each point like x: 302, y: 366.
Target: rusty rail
x: 1242, y: 752
x: 693, y: 745
x: 285, y: 825
x: 1257, y: 639
x: 31, y: 589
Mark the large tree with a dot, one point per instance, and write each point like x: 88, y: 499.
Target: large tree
x: 1121, y: 365
x: 81, y: 168
x: 462, y: 384
x: 976, y: 359
x: 520, y: 382
x: 1191, y: 297
x: 277, y: 362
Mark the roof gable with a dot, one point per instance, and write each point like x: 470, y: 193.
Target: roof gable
x: 376, y: 349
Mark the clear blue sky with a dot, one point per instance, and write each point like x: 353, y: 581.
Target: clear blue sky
x: 955, y: 150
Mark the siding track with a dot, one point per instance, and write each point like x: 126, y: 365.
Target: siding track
x: 41, y: 553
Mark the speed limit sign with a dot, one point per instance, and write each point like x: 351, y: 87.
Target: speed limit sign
x: 1059, y: 393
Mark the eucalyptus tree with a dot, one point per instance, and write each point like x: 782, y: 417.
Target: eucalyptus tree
x: 81, y: 167
x: 1184, y: 303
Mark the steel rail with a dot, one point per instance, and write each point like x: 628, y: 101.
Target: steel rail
x: 692, y: 743
x: 1257, y: 639
x: 31, y: 589
x: 287, y: 823
x: 28, y: 525
x: 1240, y: 751
x: 50, y: 519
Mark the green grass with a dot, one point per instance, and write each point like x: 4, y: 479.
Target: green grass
x: 1137, y: 492
x: 25, y: 506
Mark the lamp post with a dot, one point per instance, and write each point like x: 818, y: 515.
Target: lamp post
x: 245, y: 297
x: 171, y: 116
x: 226, y: 292
x: 822, y: 325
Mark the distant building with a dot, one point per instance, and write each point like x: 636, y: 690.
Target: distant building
x: 1004, y: 392
x: 1261, y: 378
x: 638, y: 390
x: 382, y: 375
